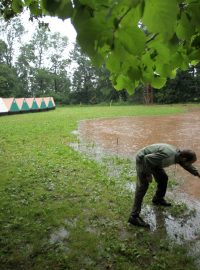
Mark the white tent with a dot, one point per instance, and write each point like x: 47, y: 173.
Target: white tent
x: 3, y: 108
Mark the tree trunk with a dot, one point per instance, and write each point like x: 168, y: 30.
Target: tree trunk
x: 148, y: 94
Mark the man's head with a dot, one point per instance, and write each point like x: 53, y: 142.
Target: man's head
x: 187, y: 156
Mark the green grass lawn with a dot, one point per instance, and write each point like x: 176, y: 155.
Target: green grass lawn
x: 60, y: 210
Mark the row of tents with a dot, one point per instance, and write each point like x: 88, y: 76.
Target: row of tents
x: 17, y: 105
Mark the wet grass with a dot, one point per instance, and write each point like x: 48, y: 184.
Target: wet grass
x: 61, y: 210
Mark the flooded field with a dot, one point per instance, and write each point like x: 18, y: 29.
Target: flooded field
x: 125, y: 136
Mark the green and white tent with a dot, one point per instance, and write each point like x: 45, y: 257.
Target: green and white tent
x: 41, y: 103
x: 16, y: 105
x: 49, y: 103
x: 22, y: 104
x: 32, y: 104
x: 11, y: 105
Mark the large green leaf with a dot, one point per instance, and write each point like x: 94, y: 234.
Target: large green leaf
x: 173, y: 74
x: 35, y: 8
x: 92, y: 32
x: 132, y: 38
x: 158, y: 82
x: 124, y: 82
x: 147, y: 65
x: 113, y: 63
x: 17, y: 5
x: 160, y: 16
x: 134, y: 73
x: 185, y: 28
x: 95, y: 4
x: 193, y: 10
x: 131, y: 18
x: 160, y: 55
x: 62, y: 8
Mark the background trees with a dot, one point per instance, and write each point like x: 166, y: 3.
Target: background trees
x: 139, y: 41
x: 184, y: 88
x: 42, y: 66
x: 12, y: 31
x: 10, y: 84
x: 37, y: 67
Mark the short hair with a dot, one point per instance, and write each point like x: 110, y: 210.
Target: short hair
x: 189, y: 155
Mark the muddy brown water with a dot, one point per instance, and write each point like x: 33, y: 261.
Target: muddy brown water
x: 126, y: 135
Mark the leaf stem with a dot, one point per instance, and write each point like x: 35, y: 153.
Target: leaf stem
x: 152, y: 38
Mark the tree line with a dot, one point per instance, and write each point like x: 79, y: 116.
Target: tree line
x: 42, y: 67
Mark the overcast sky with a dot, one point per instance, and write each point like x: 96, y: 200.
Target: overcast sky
x: 55, y: 25
x: 65, y: 28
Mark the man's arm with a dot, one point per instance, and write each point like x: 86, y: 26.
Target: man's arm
x: 190, y: 168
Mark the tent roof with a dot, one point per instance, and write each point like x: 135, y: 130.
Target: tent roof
x: 11, y: 104
x: 20, y: 102
x: 25, y: 104
x: 29, y: 101
x: 46, y: 100
x: 39, y: 101
x: 3, y: 107
x: 51, y: 98
x: 8, y: 102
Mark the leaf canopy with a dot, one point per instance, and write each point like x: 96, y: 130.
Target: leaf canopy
x: 140, y: 41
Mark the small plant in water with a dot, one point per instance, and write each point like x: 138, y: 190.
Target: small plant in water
x: 179, y: 209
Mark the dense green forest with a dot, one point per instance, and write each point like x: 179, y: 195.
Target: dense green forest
x: 41, y: 67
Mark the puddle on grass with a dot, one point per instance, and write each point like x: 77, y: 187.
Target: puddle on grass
x: 59, y: 236
x: 130, y: 186
x: 110, y: 160
x: 184, y: 228
x: 105, y: 139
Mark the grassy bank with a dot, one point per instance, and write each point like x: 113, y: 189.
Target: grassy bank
x: 60, y: 210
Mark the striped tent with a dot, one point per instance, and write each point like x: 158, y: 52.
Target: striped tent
x: 11, y: 105
x: 46, y: 100
x: 16, y: 105
x: 41, y: 103
x: 22, y: 104
x: 52, y: 104
x: 32, y: 104
x: 49, y: 101
x: 3, y: 108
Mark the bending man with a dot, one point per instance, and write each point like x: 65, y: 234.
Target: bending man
x: 150, y: 161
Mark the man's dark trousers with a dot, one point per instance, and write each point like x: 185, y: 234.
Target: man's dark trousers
x: 142, y: 185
